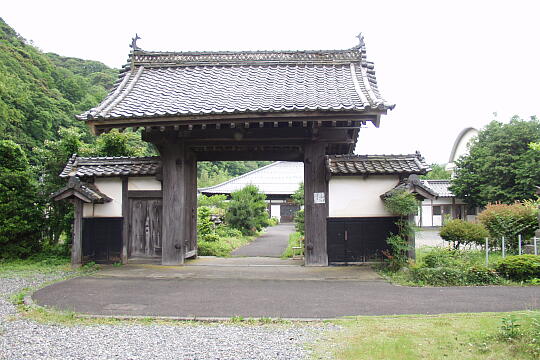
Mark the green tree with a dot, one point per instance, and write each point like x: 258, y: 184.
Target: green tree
x: 116, y: 143
x: 298, y: 195
x: 247, y: 210
x: 21, y: 212
x: 500, y: 166
x: 437, y: 172
x: 51, y: 160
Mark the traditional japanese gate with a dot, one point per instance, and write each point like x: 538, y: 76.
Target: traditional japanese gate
x: 202, y: 106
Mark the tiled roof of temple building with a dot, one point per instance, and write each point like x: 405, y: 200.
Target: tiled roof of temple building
x: 376, y: 164
x: 281, y: 177
x: 441, y: 187
x: 163, y: 84
x: 110, y: 166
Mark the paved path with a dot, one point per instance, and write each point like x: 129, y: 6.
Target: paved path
x: 268, y: 291
x: 272, y: 243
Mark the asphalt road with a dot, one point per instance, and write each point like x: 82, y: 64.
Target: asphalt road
x: 226, y: 297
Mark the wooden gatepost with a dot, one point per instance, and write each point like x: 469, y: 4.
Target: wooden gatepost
x: 254, y: 105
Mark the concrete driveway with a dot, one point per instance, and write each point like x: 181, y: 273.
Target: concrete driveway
x: 262, y: 287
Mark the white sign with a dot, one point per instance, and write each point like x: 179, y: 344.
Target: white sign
x: 318, y: 198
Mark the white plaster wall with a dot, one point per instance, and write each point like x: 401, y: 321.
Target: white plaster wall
x: 112, y: 187
x: 356, y: 196
x: 144, y: 183
x: 425, y: 219
x: 275, y: 211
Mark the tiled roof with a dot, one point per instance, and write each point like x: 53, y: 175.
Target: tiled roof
x: 278, y: 178
x: 414, y: 185
x: 84, y: 191
x: 440, y: 187
x: 110, y: 166
x: 376, y: 164
x: 160, y: 84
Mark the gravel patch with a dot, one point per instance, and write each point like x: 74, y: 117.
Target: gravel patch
x: 22, y: 338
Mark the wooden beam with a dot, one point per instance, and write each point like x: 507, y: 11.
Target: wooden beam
x: 125, y: 220
x: 285, y: 155
x: 315, y: 204
x: 76, y: 244
x: 156, y: 194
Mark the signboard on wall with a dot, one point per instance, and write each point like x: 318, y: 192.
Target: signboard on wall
x: 318, y: 198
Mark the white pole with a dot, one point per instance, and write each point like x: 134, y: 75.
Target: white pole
x: 519, y: 242
x: 487, y: 252
x: 535, y: 247
x: 503, y: 248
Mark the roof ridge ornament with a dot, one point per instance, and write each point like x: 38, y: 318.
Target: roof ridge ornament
x: 361, y: 42
x: 134, y: 42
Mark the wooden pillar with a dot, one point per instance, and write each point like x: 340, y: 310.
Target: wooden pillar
x: 191, y: 205
x: 76, y: 244
x: 315, y: 204
x: 178, y: 166
x: 125, y: 220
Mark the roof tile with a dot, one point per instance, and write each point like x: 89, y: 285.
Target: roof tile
x: 376, y: 164
x: 158, y: 84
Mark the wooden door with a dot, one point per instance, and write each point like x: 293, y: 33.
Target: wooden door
x: 145, y: 227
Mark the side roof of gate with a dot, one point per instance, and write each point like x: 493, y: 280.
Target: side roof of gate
x: 85, y: 167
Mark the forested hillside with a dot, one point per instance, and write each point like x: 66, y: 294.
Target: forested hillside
x: 40, y: 94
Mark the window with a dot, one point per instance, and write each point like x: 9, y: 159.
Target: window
x: 436, y: 210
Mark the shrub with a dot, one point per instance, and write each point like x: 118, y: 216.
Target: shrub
x: 454, y: 276
x: 520, y: 267
x: 227, y: 231
x: 247, y: 210
x: 459, y: 232
x: 273, y: 221
x: 299, y: 221
x: 205, y: 226
x: 442, y: 258
x: 402, y: 203
x: 217, y: 201
x: 396, y: 258
x: 510, y: 220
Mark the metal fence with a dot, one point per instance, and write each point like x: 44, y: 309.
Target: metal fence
x: 535, y: 242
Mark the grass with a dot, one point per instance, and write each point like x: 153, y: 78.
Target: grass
x: 294, y: 240
x: 224, y: 246
x: 31, y: 266
x: 474, y: 257
x: 448, y: 336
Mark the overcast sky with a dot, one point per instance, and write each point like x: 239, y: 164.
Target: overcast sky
x: 446, y: 65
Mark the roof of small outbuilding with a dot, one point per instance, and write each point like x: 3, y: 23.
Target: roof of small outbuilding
x: 440, y: 187
x: 376, y: 164
x: 110, y: 166
x: 161, y: 84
